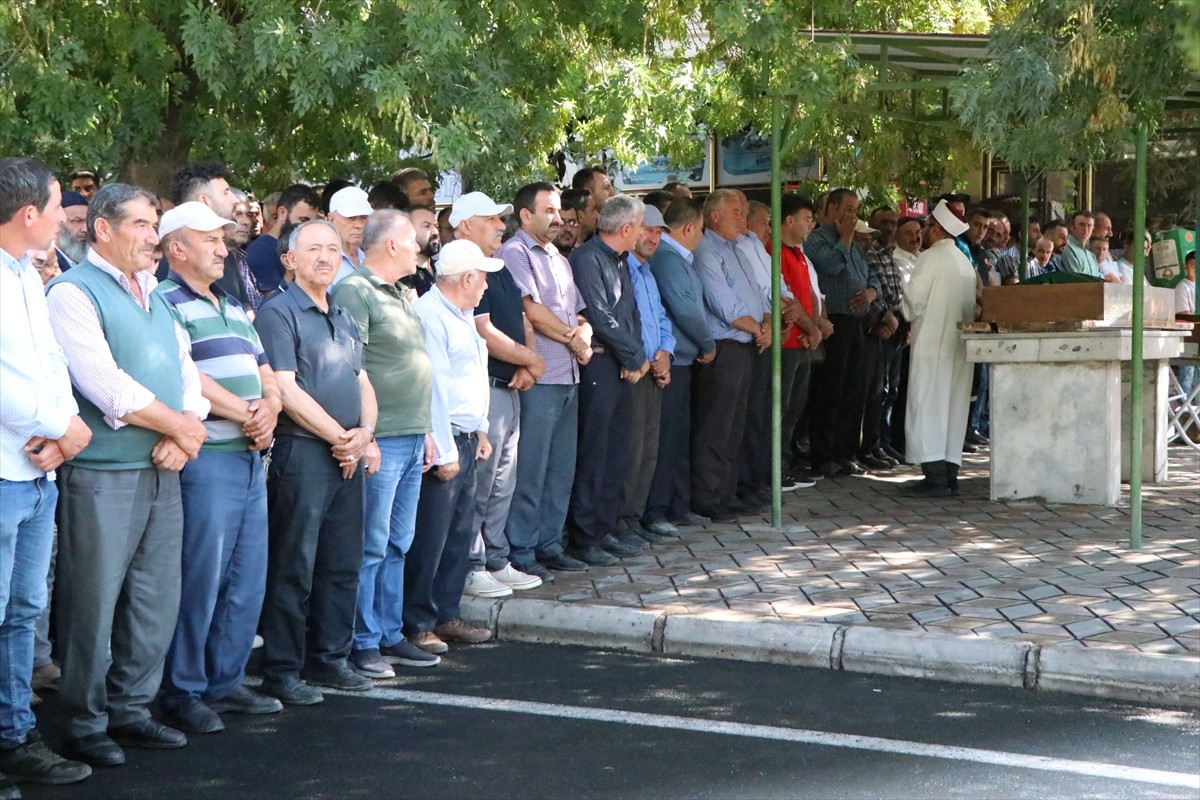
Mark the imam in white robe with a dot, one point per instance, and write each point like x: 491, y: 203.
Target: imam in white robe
x: 939, y: 295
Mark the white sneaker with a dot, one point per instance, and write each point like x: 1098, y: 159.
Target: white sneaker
x: 481, y: 584
x: 512, y: 577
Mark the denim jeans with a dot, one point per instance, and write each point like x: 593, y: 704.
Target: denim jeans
x: 390, y: 520
x: 224, y: 575
x: 26, y: 531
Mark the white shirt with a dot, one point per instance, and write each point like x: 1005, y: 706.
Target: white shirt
x: 460, y: 378
x: 905, y: 261
x: 1185, y: 297
x: 93, y: 370
x: 1109, y: 267
x: 35, y: 389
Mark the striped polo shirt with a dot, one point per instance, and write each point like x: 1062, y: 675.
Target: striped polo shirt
x: 225, y: 347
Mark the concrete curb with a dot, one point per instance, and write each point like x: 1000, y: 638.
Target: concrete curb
x: 1126, y: 676
x: 1143, y: 677
x: 774, y: 641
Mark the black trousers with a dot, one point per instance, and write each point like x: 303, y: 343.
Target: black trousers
x: 754, y: 468
x: 670, y: 490
x: 314, y: 551
x: 602, y: 458
x: 895, y: 362
x: 835, y: 400
x: 720, y: 394
x: 875, y: 351
x: 435, y: 569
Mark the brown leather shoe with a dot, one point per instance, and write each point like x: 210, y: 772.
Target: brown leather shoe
x: 429, y: 642
x: 459, y: 630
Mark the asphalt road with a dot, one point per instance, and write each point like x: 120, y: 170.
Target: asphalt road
x: 532, y: 721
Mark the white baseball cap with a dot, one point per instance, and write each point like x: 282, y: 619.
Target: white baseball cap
x: 463, y: 255
x: 192, y: 214
x: 476, y: 204
x: 862, y: 227
x: 350, y: 202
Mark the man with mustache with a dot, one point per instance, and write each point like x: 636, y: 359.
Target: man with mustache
x: 71, y: 241
x: 120, y: 514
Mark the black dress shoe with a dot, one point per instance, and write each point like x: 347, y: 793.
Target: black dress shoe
x: 692, y: 518
x: 8, y: 789
x: 875, y: 462
x: 563, y: 563
x: 593, y: 556
x: 148, y: 734
x: 193, y: 716
x: 96, y: 749
x: 619, y: 548
x: 925, y: 488
x: 715, y: 513
x: 976, y: 438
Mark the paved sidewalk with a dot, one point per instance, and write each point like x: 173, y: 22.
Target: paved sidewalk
x: 854, y: 552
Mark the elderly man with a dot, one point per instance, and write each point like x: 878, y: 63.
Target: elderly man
x: 909, y: 231
x: 940, y: 295
x: 315, y: 483
x: 1076, y: 257
x: 348, y: 212
x: 415, y: 184
x: 436, y: 569
x: 71, y: 239
x: 120, y: 515
x: 208, y: 183
x: 605, y: 396
x: 682, y: 293
x: 739, y: 320
x: 883, y: 346
x: 644, y: 421
x: 394, y: 352
x: 297, y: 204
x: 514, y: 366
x: 838, y: 383
x: 224, y: 490
x: 39, y: 429
x: 550, y: 408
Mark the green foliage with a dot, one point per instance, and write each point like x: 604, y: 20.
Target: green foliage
x: 309, y: 89
x: 1068, y: 79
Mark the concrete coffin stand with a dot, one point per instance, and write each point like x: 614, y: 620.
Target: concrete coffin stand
x: 1059, y: 411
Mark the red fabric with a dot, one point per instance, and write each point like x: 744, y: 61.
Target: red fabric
x: 794, y: 268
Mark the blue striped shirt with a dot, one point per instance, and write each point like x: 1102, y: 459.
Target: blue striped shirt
x: 224, y: 346
x: 656, y: 328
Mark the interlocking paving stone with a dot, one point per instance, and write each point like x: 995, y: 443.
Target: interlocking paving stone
x: 852, y: 551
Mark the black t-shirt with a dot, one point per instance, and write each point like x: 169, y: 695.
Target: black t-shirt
x: 502, y: 301
x: 422, y: 280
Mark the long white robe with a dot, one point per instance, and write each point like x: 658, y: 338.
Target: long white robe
x: 939, y: 295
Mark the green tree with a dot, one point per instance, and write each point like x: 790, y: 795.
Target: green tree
x: 286, y: 89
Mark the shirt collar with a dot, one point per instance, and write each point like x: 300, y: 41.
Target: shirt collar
x: 179, y: 281
x: 365, y: 272
x: 533, y: 244
x: 301, y: 299
x: 686, y: 254
x: 445, y: 301
x: 15, y: 264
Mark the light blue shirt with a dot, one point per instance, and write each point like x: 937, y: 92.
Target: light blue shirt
x: 656, y: 328
x: 35, y: 388
x: 730, y: 288
x: 460, y: 378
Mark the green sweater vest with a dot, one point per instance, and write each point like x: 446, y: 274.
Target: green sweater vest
x: 144, y: 346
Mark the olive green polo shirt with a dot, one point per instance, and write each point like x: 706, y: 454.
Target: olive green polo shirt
x: 394, y: 351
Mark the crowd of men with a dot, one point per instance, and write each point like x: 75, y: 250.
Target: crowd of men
x: 323, y: 417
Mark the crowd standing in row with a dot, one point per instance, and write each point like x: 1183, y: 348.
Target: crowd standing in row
x: 331, y: 415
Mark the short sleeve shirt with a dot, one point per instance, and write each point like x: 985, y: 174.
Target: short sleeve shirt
x: 502, y: 303
x: 323, y: 349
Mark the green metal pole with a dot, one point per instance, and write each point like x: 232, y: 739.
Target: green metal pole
x: 776, y: 314
x: 1023, y: 264
x: 1135, y: 366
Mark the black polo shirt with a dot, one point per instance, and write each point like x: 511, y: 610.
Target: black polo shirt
x: 502, y: 301
x: 322, y: 349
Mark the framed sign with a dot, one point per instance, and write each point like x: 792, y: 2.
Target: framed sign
x: 745, y: 160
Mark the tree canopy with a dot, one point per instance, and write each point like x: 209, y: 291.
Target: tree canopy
x: 310, y: 89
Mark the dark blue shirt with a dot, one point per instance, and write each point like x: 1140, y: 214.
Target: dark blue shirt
x: 323, y: 349
x: 265, y: 266
x: 503, y: 303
